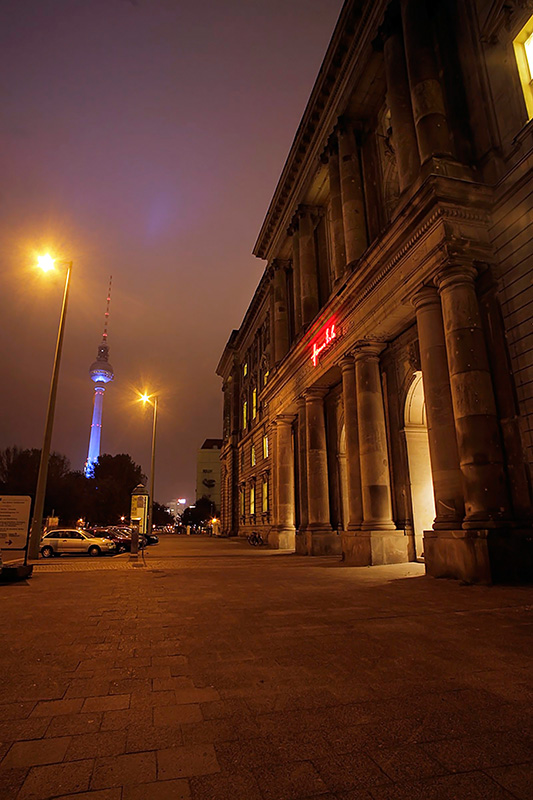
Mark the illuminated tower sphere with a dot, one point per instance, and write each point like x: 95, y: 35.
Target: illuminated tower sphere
x: 101, y: 372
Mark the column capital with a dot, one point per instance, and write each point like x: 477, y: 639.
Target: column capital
x: 391, y: 24
x: 284, y: 419
x: 425, y: 296
x: 315, y: 393
x: 368, y: 349
x: 331, y: 148
x: 300, y: 402
x: 278, y: 264
x: 347, y: 362
x: 455, y: 275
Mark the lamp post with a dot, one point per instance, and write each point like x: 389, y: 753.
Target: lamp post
x: 46, y: 263
x: 146, y: 399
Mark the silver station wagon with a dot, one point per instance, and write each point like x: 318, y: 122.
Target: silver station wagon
x: 72, y: 540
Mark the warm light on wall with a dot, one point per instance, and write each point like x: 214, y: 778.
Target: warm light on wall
x: 523, y: 48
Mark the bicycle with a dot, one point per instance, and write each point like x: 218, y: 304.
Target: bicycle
x: 255, y: 539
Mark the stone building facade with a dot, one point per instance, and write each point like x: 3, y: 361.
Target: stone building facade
x: 378, y: 396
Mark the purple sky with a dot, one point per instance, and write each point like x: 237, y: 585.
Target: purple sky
x: 140, y: 139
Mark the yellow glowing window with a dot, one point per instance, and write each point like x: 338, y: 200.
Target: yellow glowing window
x: 245, y: 370
x: 523, y: 48
x: 254, y: 403
x: 253, y: 455
x: 244, y: 414
x: 252, y: 501
x: 265, y: 446
x: 265, y: 495
x: 265, y: 377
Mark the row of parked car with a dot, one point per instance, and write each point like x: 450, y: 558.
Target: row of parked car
x: 93, y: 541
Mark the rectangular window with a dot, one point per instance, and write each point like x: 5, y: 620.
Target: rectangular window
x: 244, y: 414
x: 243, y: 500
x: 265, y: 495
x: 265, y: 446
x: 523, y: 48
x: 242, y: 458
x: 253, y: 455
x: 252, y: 500
x: 265, y: 377
x: 245, y: 370
x: 254, y: 403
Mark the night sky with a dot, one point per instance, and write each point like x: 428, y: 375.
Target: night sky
x: 142, y: 139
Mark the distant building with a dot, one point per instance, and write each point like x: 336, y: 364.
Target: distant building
x: 378, y: 395
x: 177, y: 506
x: 208, y: 472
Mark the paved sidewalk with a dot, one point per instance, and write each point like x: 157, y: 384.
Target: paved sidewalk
x: 221, y: 672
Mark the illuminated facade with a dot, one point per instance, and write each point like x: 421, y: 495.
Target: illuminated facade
x: 208, y: 472
x: 101, y: 373
x: 387, y: 355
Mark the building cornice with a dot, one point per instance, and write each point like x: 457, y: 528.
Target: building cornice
x: 354, y: 31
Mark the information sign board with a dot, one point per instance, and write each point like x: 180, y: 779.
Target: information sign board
x: 14, y: 521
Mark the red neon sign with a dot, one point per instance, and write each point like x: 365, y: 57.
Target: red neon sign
x: 323, y: 341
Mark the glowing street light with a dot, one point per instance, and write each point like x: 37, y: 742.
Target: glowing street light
x: 47, y: 263
x: 152, y: 400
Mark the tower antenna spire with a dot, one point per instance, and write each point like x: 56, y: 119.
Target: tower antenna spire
x: 101, y: 372
x: 106, y: 316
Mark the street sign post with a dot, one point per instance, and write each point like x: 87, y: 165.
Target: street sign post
x: 14, y: 522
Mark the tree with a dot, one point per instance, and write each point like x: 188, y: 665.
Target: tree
x: 111, y: 485
x: 161, y: 515
x: 18, y: 475
x: 199, y: 513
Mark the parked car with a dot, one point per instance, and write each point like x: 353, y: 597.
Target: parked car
x: 121, y: 538
x: 73, y: 540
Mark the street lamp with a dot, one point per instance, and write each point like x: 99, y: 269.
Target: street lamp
x: 47, y: 263
x: 146, y: 398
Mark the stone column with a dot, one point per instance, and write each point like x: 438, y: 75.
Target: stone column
x: 426, y: 92
x: 281, y: 319
x: 336, y: 222
x: 355, y: 508
x: 476, y: 422
x: 353, y: 202
x: 375, y: 479
x: 294, y: 233
x: 378, y: 541
x: 282, y: 535
x: 321, y: 540
x: 399, y: 101
x: 447, y: 481
x: 308, y: 266
x: 301, y: 538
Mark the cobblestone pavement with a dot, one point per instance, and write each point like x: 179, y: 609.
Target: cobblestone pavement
x: 220, y: 672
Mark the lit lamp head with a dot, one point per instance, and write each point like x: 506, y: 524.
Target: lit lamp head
x: 46, y: 262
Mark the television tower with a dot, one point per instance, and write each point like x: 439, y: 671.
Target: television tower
x: 101, y: 372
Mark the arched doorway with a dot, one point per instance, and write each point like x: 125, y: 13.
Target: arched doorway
x: 416, y: 437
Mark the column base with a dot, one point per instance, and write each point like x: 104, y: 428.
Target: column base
x: 281, y: 538
x: 318, y: 542
x: 503, y: 555
x: 371, y: 548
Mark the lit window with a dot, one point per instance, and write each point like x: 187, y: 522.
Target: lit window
x: 244, y: 414
x: 265, y: 377
x: 523, y: 48
x: 245, y: 370
x: 265, y: 495
x: 253, y: 455
x: 252, y: 501
x: 265, y: 446
x: 254, y: 403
